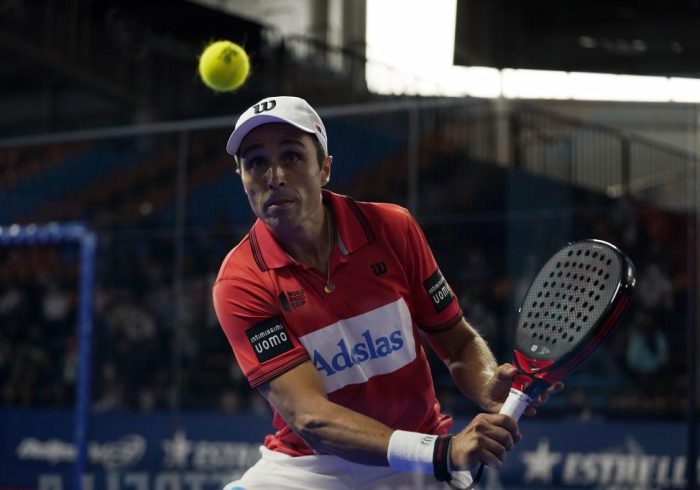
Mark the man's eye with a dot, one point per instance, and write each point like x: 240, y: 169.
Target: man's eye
x: 291, y: 157
x: 256, y: 162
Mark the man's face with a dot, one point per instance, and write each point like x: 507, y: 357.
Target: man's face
x: 281, y: 175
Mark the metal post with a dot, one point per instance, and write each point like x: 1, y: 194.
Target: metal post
x: 81, y: 412
x: 692, y: 325
x: 412, y: 159
x: 515, y: 138
x: 503, y: 152
x: 178, y: 268
x: 625, y: 165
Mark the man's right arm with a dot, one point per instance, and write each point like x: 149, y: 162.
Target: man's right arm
x: 298, y: 393
x: 299, y: 397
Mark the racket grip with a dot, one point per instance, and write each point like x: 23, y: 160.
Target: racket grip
x: 515, y: 404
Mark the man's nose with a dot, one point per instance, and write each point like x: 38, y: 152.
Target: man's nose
x: 276, y: 176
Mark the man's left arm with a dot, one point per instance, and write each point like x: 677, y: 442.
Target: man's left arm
x: 466, y: 354
x: 474, y: 369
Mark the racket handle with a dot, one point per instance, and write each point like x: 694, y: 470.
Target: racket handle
x: 515, y: 404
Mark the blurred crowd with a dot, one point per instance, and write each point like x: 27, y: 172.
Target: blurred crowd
x: 157, y: 344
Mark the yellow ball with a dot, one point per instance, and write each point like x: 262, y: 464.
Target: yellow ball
x: 224, y: 66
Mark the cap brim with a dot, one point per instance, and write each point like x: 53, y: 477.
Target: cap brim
x: 234, y: 141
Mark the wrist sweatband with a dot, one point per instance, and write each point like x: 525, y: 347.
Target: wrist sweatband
x: 411, y: 451
x: 441, y: 458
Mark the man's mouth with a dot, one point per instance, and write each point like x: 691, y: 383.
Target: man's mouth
x: 278, y: 202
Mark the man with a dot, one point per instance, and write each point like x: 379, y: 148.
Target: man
x: 323, y: 302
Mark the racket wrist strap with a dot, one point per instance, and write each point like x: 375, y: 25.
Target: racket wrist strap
x: 441, y: 458
x: 411, y: 451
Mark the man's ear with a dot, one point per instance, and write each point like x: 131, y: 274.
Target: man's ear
x: 326, y: 169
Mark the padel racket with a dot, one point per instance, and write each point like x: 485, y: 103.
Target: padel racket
x: 572, y: 305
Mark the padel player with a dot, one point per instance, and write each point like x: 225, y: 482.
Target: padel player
x: 323, y: 303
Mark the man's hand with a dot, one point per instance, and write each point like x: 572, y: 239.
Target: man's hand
x: 498, y: 388
x: 474, y: 370
x: 485, y: 440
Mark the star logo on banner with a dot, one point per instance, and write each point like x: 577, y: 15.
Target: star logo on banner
x: 540, y: 463
x: 177, y: 450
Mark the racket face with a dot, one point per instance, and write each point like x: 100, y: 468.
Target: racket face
x: 572, y: 297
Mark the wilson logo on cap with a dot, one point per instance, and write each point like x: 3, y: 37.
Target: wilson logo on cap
x: 279, y: 109
x: 268, y: 105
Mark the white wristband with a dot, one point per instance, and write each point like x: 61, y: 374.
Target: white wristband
x: 411, y: 451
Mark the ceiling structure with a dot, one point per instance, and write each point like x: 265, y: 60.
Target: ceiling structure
x: 87, y: 63
x: 638, y: 37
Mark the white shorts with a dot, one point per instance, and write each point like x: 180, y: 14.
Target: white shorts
x: 277, y: 470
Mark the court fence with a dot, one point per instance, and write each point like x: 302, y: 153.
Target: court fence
x: 497, y: 186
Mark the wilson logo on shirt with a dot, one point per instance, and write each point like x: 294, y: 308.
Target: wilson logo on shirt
x: 297, y: 298
x: 293, y: 299
x: 438, y: 290
x: 379, y: 268
x: 355, y: 349
x: 269, y: 339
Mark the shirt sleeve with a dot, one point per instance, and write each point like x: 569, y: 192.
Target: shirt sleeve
x: 436, y: 305
x: 263, y: 344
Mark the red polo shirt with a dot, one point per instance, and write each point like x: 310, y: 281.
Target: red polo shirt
x: 362, y: 337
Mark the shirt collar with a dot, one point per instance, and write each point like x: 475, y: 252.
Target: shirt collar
x: 353, y: 228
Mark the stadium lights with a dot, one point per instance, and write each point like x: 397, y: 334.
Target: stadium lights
x: 413, y: 56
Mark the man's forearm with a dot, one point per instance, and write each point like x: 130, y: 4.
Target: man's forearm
x: 325, y: 426
x: 338, y: 430
x: 468, y: 358
x: 473, y: 369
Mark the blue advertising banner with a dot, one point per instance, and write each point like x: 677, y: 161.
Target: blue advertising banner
x: 128, y: 451
x: 596, y: 454
x: 204, y: 452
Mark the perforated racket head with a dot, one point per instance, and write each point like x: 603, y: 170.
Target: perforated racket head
x: 569, y: 305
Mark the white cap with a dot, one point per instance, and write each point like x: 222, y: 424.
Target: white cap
x: 284, y: 109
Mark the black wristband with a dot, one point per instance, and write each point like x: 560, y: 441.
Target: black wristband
x: 441, y: 455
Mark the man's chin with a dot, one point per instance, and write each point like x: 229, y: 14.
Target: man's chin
x: 278, y: 212
x: 277, y: 219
